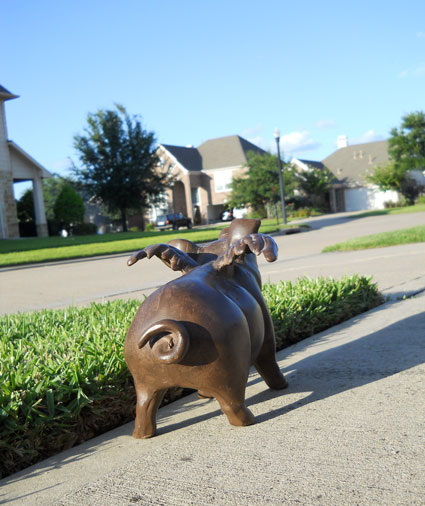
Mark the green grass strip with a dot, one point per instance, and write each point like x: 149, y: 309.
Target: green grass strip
x: 308, y: 306
x: 382, y: 240
x: 392, y: 210
x: 63, y: 378
x: 34, y: 250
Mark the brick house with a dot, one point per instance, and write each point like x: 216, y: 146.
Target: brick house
x: 15, y: 166
x: 203, y: 176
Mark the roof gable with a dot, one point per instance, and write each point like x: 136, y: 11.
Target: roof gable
x: 227, y: 151
x: 352, y: 163
x: 217, y: 153
x: 312, y: 163
x: 189, y: 158
x: 6, y: 94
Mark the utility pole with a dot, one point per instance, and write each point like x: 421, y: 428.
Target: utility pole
x: 281, y: 184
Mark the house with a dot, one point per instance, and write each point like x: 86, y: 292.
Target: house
x: 350, y: 164
x: 15, y: 166
x: 203, y: 176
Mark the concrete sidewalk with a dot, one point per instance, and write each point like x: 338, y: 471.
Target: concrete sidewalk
x: 349, y: 430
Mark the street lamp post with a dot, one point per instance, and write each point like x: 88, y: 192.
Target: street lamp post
x: 281, y: 184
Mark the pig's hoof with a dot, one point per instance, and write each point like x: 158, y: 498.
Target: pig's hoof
x: 138, y: 434
x: 280, y: 384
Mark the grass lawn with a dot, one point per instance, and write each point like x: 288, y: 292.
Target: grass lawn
x: 392, y: 210
x: 403, y: 236
x: 31, y: 250
x: 63, y: 378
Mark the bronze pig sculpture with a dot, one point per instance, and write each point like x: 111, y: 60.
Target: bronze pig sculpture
x: 205, y: 329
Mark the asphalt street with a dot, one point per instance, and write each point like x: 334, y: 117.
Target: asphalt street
x: 78, y: 282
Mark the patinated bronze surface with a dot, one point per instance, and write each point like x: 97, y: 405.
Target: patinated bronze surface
x: 205, y: 329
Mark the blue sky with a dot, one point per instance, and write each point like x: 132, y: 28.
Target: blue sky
x: 199, y: 69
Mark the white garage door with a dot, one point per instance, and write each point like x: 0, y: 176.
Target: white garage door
x: 357, y: 199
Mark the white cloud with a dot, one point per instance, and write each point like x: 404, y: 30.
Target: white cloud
x: 326, y: 123
x: 369, y: 136
x: 255, y: 135
x: 258, y: 140
x: 419, y: 71
x: 298, y: 141
x: 61, y: 165
x: 252, y: 132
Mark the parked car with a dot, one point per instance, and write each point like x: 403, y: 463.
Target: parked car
x: 173, y: 221
x: 226, y: 215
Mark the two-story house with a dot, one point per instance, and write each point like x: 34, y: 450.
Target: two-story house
x: 203, y: 175
x: 15, y: 166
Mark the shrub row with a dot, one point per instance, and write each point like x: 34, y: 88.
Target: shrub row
x: 63, y: 378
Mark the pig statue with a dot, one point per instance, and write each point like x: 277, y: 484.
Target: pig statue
x: 205, y: 329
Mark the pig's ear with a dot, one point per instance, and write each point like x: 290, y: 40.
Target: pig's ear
x: 252, y: 243
x: 172, y: 257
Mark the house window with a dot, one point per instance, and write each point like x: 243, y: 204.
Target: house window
x: 223, y: 181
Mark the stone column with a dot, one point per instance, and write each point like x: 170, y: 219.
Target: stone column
x: 9, y: 227
x: 40, y: 213
x: 188, y: 193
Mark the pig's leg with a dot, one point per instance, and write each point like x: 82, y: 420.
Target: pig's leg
x: 148, y: 402
x: 266, y: 363
x: 232, y: 403
x: 204, y: 395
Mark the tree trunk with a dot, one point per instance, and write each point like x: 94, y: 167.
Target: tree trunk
x: 124, y: 219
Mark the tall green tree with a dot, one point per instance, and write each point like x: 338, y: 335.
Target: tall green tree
x: 314, y: 184
x: 406, y: 148
x: 25, y: 207
x: 259, y: 186
x: 69, y: 207
x: 406, y: 145
x: 52, y: 186
x: 119, y: 165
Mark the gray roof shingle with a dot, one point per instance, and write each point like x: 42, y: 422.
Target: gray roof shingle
x: 6, y: 93
x: 230, y: 151
x: 351, y: 164
x: 188, y: 157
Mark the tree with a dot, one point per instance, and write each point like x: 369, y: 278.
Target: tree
x: 406, y: 148
x: 119, y: 162
x: 69, y: 207
x: 314, y: 184
x: 259, y: 187
x: 25, y: 207
x: 52, y: 186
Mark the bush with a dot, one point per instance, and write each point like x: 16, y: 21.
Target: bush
x: 421, y: 199
x: 84, y: 229
x: 69, y: 207
x: 258, y: 214
x: 302, y: 212
x: 389, y: 204
x: 308, y: 306
x: 63, y: 378
x: 150, y: 227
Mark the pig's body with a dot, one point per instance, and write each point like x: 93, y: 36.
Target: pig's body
x: 202, y: 331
